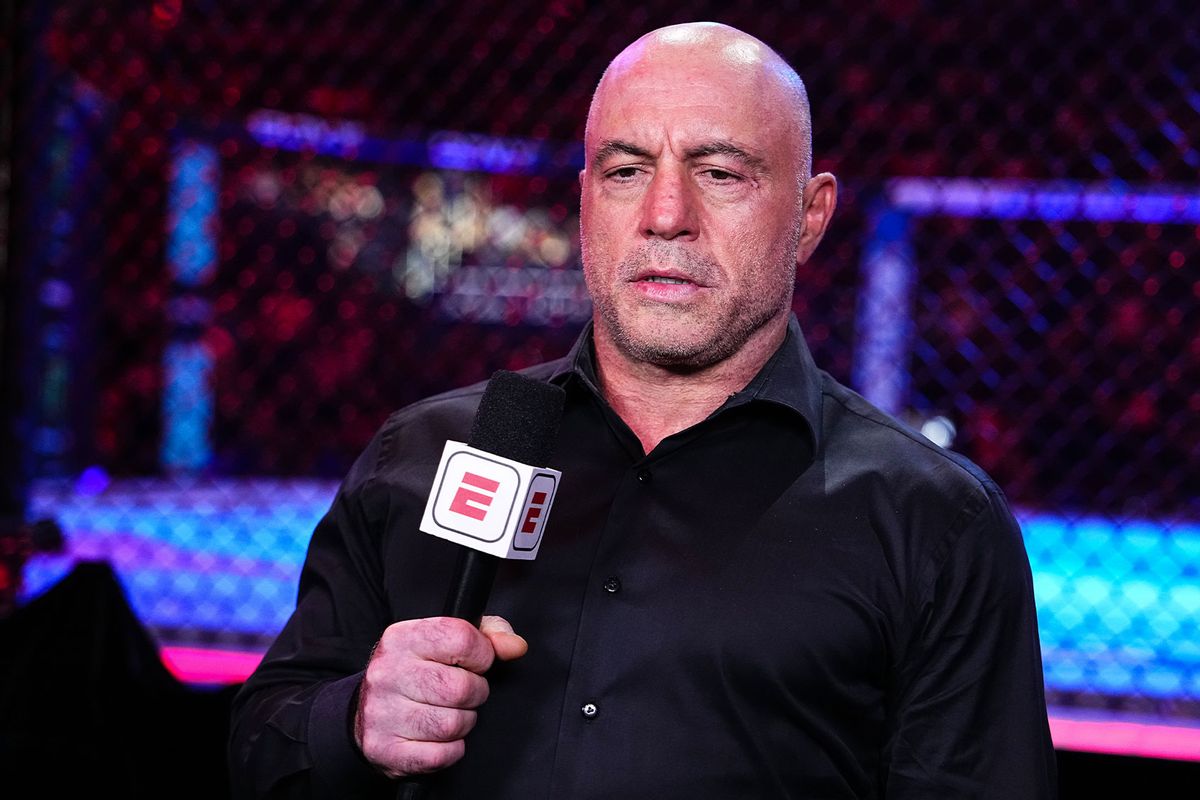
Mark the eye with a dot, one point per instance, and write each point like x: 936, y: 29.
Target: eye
x: 721, y: 176
x: 623, y: 173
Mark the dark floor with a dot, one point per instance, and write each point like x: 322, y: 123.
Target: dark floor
x: 1094, y: 776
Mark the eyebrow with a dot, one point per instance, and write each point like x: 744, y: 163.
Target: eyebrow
x: 610, y: 147
x: 723, y: 148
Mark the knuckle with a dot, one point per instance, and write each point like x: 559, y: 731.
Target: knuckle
x: 441, y: 756
x: 393, y: 636
x: 371, y: 700
x: 374, y: 746
x: 450, y: 753
x: 460, y: 688
x: 428, y: 683
x: 446, y: 725
x: 478, y: 691
x: 454, y: 636
x: 439, y: 685
x: 436, y: 724
x: 373, y: 676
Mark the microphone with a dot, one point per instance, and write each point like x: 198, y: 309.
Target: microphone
x: 491, y: 496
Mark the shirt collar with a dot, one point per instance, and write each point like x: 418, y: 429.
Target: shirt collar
x: 790, y: 377
x: 578, y: 363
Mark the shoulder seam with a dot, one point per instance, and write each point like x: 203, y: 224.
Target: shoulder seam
x: 396, y: 418
x: 982, y: 480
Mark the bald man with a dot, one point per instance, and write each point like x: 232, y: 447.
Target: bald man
x: 755, y: 585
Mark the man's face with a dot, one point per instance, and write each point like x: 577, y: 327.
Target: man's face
x: 691, y: 208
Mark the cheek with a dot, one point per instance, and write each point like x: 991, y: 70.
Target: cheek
x: 764, y: 265
x: 595, y: 236
x: 595, y: 254
x: 587, y: 230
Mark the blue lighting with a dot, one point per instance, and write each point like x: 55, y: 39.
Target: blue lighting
x: 1118, y: 603
x: 187, y: 407
x: 443, y: 149
x: 305, y: 132
x: 1057, y: 201
x: 464, y: 151
x: 192, y: 202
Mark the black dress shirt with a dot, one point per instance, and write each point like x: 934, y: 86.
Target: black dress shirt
x: 798, y: 597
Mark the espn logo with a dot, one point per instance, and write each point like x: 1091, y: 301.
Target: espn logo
x: 489, y: 503
x: 474, y: 496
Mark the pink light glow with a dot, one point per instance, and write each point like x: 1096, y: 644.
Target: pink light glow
x: 1147, y: 740
x: 201, y: 665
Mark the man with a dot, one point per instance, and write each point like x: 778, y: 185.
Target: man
x: 754, y: 584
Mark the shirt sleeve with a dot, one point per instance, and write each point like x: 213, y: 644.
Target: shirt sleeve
x: 291, y: 729
x: 969, y: 711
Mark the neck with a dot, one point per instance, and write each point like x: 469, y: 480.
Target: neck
x: 658, y: 401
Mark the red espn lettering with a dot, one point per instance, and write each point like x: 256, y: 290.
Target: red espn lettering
x: 535, y: 511
x: 474, y: 504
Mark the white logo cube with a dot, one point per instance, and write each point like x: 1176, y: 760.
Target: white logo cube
x: 489, y: 503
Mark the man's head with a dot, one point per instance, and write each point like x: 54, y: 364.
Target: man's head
x: 697, y: 200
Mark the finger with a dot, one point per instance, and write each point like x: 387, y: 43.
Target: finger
x: 399, y: 718
x: 443, y: 639
x: 420, y: 722
x: 507, y: 644
x: 442, y: 685
x: 399, y: 757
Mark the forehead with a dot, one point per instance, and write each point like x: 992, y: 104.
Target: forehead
x: 725, y: 94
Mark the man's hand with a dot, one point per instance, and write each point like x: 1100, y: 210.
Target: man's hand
x: 421, y: 689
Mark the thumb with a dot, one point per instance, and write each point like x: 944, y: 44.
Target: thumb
x: 507, y: 644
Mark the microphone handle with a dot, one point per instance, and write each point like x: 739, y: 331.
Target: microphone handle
x: 412, y: 788
x: 467, y: 599
x: 473, y: 579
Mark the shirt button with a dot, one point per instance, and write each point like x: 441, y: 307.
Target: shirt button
x: 589, y: 710
x: 643, y: 476
x: 612, y: 585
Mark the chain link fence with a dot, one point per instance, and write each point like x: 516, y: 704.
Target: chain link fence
x: 244, y: 233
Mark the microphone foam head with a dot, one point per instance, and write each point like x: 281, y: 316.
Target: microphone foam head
x: 518, y: 418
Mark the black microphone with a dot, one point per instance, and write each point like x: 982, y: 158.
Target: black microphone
x: 518, y: 419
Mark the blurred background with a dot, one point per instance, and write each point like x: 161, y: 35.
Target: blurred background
x: 237, y: 235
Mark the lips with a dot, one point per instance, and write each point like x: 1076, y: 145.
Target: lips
x: 671, y: 288
x: 667, y: 278
x: 667, y: 272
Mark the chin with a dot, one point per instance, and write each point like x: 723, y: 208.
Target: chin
x: 673, y: 352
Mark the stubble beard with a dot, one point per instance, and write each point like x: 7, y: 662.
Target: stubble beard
x: 722, y: 332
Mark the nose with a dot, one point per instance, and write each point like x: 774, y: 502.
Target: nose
x: 668, y: 207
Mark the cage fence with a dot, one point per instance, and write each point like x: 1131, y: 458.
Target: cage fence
x: 245, y: 233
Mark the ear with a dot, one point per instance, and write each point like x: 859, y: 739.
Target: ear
x: 820, y: 199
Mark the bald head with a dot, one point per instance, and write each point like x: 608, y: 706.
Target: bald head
x: 716, y: 48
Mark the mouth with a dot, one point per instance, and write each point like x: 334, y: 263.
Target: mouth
x: 667, y: 278
x: 666, y: 287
